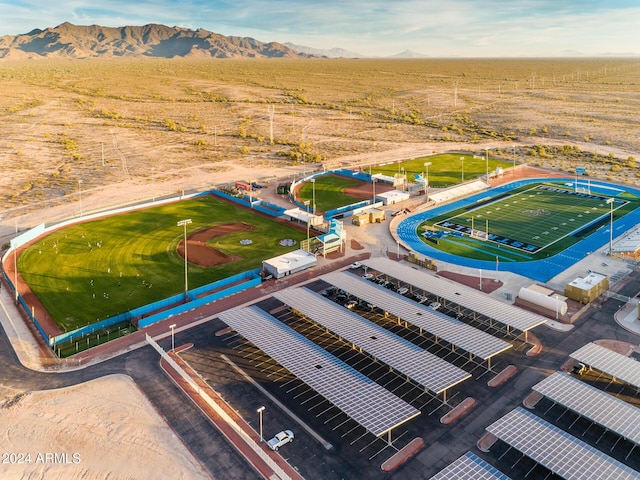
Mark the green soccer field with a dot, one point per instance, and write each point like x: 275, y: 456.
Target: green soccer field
x: 445, y: 169
x: 533, y: 219
x: 95, y: 270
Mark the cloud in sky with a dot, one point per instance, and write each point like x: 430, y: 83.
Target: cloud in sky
x: 438, y: 28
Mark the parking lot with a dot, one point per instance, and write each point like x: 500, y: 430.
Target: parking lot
x: 249, y: 379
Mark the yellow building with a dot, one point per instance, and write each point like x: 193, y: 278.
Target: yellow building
x: 587, y: 289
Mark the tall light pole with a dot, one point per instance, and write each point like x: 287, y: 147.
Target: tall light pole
x: 486, y: 157
x: 480, y: 279
x: 306, y: 202
x: 426, y: 180
x: 462, y: 160
x: 313, y: 193
x: 557, y: 307
x: 173, y: 343
x: 610, y: 202
x: 373, y: 183
x: 80, y: 192
x: 260, y: 410
x: 184, y: 223
x: 514, y: 159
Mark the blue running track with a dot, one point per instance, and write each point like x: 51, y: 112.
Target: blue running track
x: 540, y: 270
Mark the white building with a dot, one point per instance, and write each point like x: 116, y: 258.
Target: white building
x: 289, y: 263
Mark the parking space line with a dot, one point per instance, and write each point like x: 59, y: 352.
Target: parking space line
x: 297, y: 419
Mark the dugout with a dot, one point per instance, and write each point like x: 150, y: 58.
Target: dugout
x: 586, y: 290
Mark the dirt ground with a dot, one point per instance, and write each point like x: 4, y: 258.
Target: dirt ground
x: 204, y: 255
x: 89, y: 428
x: 77, y: 138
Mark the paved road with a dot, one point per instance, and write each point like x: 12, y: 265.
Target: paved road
x: 217, y: 456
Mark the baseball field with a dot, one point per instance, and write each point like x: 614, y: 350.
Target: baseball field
x: 91, y: 271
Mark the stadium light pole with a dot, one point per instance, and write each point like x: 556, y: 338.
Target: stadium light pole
x: 184, y: 223
x: 260, y: 410
x: 173, y: 343
x: 426, y: 180
x: 313, y: 194
x: 462, y: 160
x: 557, y: 307
x: 610, y: 202
x: 306, y: 202
x: 486, y: 157
x: 480, y: 279
x: 373, y: 183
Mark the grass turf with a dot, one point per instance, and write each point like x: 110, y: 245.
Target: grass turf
x: 550, y: 220
x: 328, y: 192
x: 445, y: 169
x: 95, y: 270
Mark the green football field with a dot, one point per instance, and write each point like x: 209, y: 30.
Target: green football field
x: 528, y: 223
x: 95, y: 270
x: 533, y: 219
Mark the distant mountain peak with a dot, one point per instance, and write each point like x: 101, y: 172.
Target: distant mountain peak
x: 153, y: 40
x: 409, y: 54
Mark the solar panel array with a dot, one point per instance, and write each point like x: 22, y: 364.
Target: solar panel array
x: 599, y: 407
x: 610, y: 362
x: 470, y: 467
x: 557, y: 450
x: 427, y: 369
x: 460, y: 334
x: 460, y: 294
x: 366, y: 402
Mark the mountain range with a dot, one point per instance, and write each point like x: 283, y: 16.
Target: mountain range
x: 153, y: 40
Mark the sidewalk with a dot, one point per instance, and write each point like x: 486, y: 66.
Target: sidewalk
x: 627, y: 317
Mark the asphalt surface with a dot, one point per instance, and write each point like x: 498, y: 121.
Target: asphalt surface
x: 346, y: 459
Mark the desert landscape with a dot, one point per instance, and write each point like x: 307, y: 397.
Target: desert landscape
x: 73, y: 127
x: 80, y: 135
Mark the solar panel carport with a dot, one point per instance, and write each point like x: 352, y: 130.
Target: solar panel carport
x: 428, y: 370
x: 594, y: 404
x: 557, y: 450
x: 366, y: 402
x: 469, y: 467
x: 509, y: 315
x: 612, y: 363
x: 466, y: 337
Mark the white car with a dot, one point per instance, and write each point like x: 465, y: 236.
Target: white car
x: 435, y: 305
x: 355, y: 265
x: 403, y: 290
x: 281, y: 438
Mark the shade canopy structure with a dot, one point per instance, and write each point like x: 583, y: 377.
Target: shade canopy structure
x: 466, y: 337
x: 612, y: 363
x: 606, y: 410
x: 557, y: 450
x: 423, y: 367
x: 363, y: 400
x: 505, y: 313
x: 470, y: 467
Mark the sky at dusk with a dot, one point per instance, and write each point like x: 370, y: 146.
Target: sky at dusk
x: 435, y: 28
